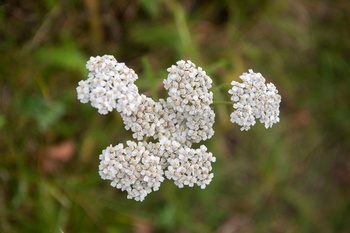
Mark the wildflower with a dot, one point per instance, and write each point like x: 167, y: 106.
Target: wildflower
x: 185, y: 117
x: 190, y: 99
x: 175, y: 123
x: 110, y: 85
x: 191, y: 166
x: 254, y: 100
x: 132, y: 169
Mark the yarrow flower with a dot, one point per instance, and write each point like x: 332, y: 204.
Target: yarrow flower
x: 175, y: 123
x: 185, y: 117
x: 254, y: 100
x: 133, y: 169
x: 110, y: 85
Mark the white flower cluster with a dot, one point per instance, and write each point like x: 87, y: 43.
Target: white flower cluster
x: 110, y: 85
x: 254, y: 100
x: 133, y: 169
x: 139, y: 168
x: 190, y: 167
x: 185, y: 117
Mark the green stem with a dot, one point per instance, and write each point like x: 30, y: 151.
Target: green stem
x: 223, y: 102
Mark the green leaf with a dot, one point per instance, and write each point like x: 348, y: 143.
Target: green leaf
x: 45, y: 113
x: 68, y: 58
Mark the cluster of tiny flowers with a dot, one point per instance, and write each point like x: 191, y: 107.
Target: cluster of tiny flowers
x: 254, y: 100
x: 110, y: 85
x: 190, y: 167
x: 184, y: 118
x: 175, y: 123
x: 133, y: 169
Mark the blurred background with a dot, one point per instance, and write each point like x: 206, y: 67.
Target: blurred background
x: 294, y: 177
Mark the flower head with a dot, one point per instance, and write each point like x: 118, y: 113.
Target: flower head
x: 133, y: 169
x: 110, y: 85
x: 254, y: 100
x: 190, y: 167
x: 185, y: 117
x: 175, y: 123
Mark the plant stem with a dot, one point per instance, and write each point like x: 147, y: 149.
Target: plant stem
x: 223, y: 102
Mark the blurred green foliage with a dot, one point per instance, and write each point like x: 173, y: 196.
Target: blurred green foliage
x: 294, y: 177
